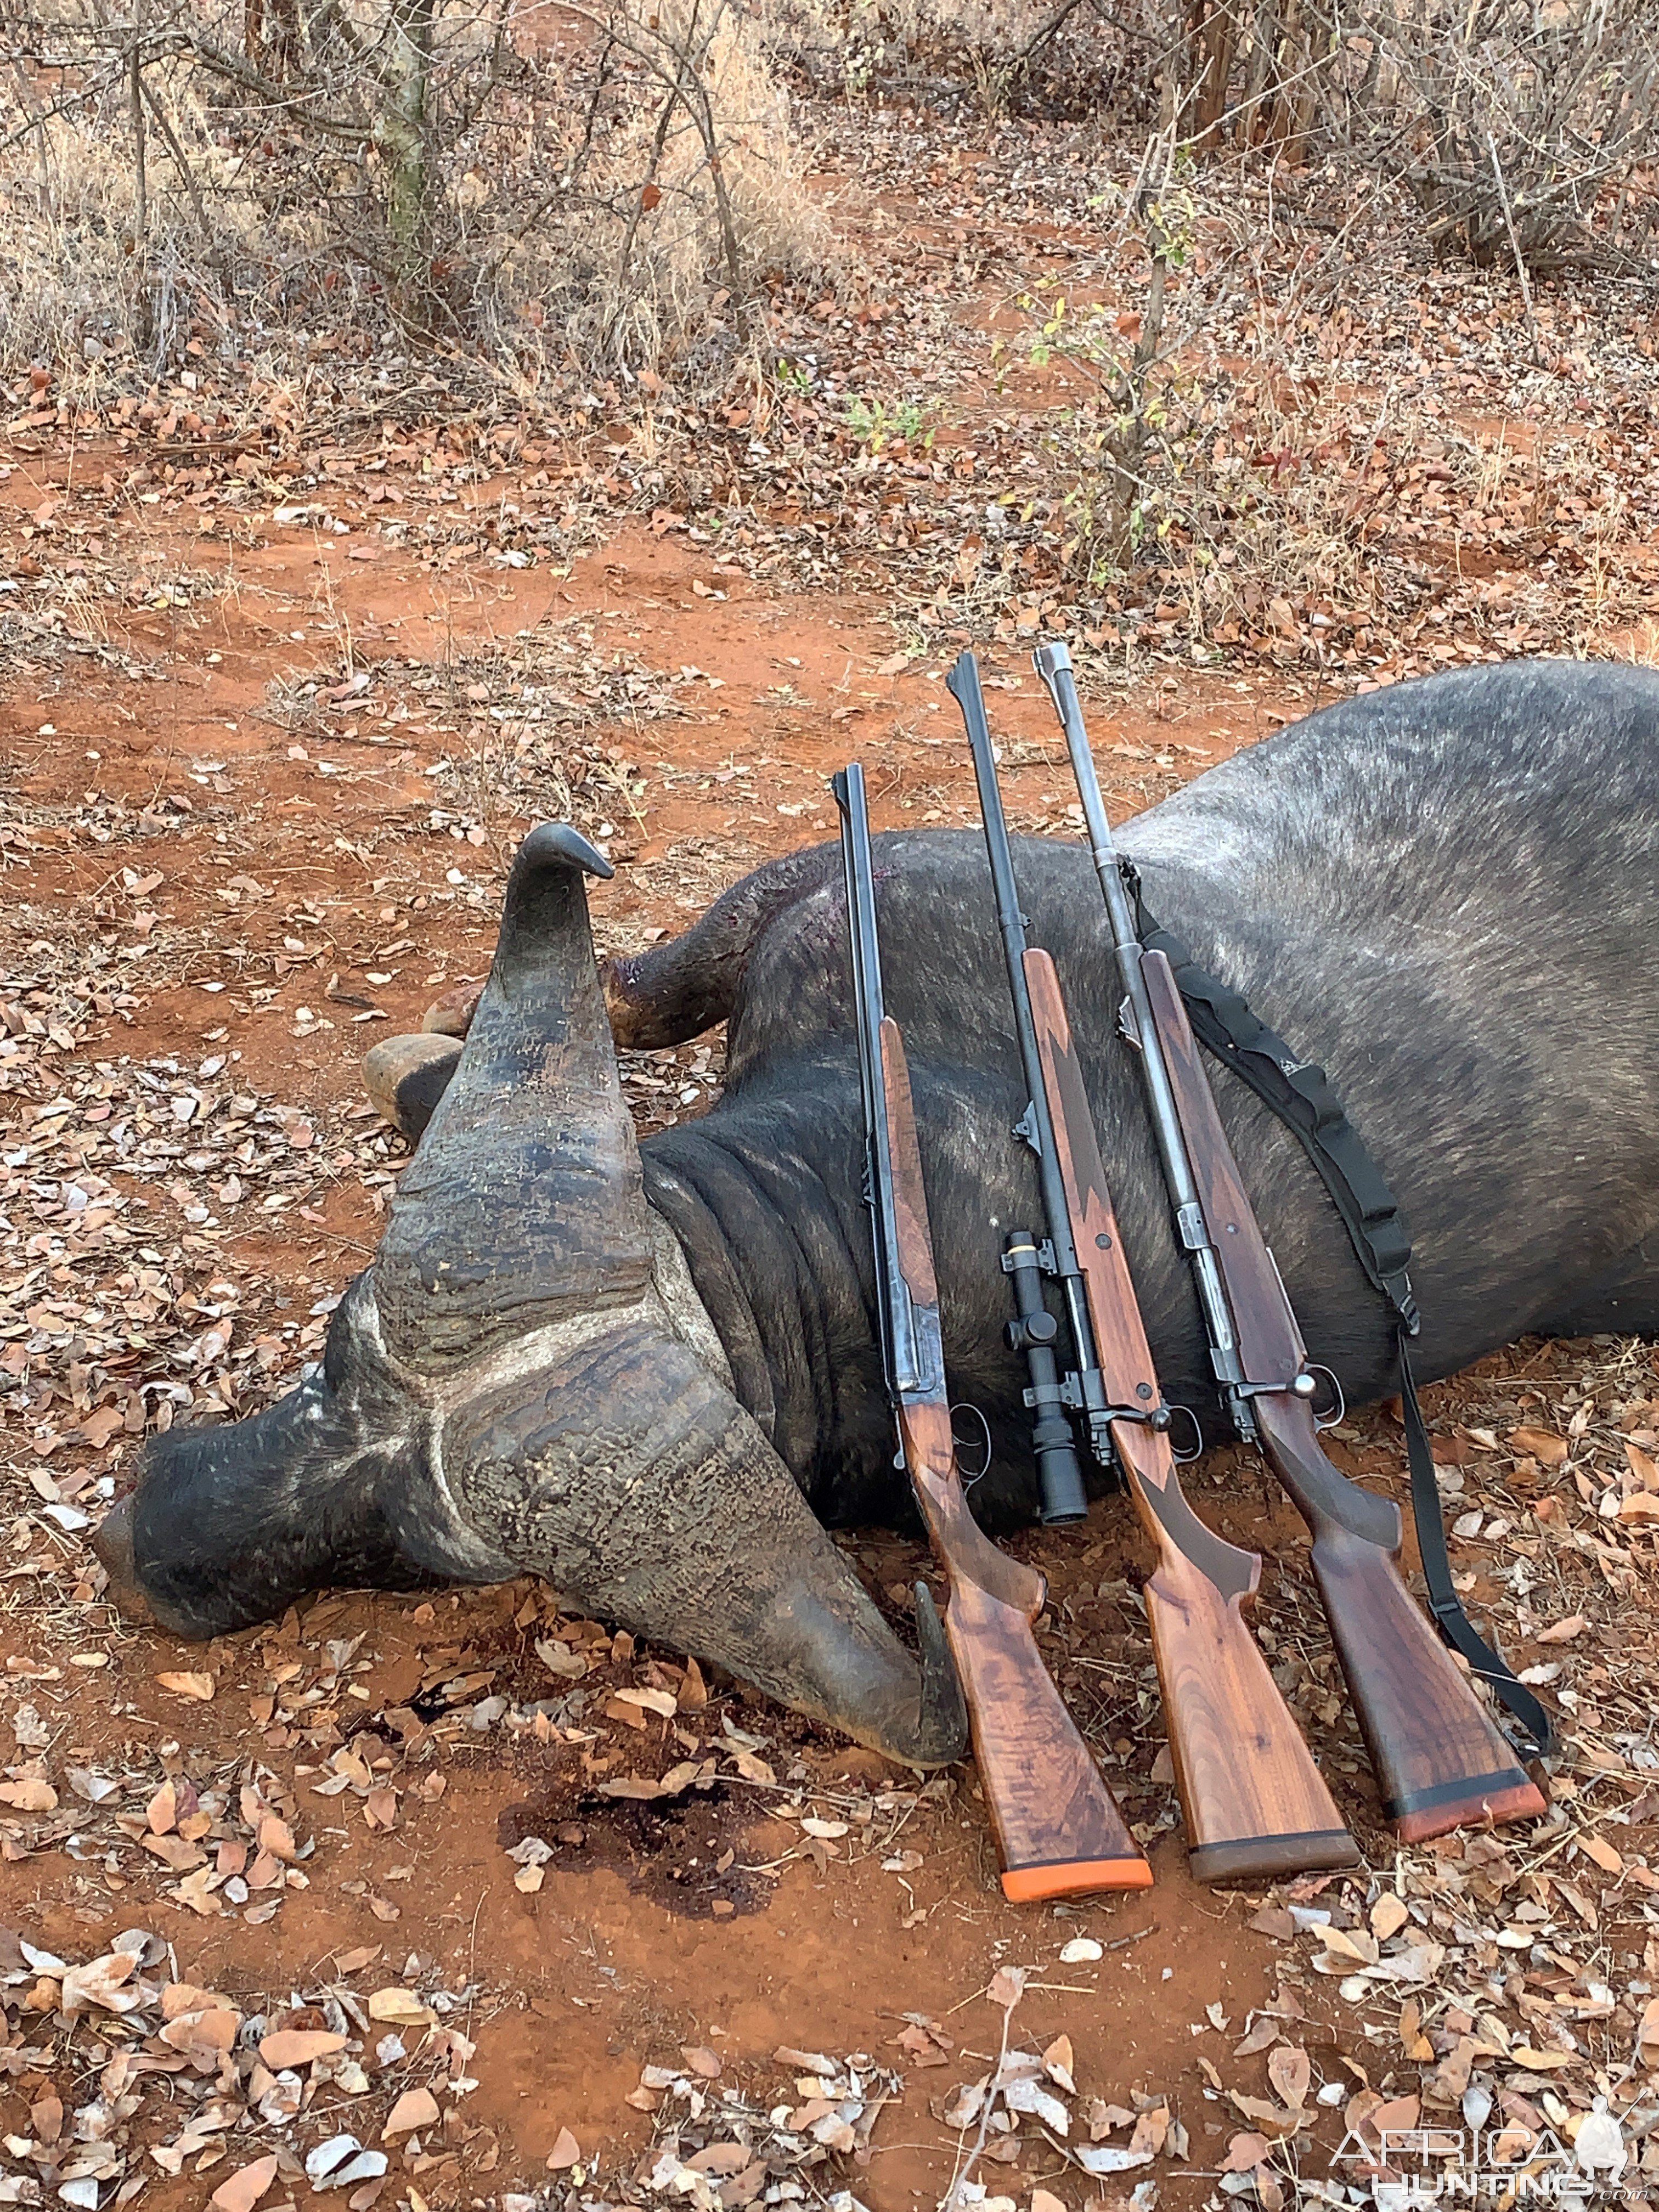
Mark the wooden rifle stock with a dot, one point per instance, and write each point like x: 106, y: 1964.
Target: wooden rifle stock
x: 1059, y: 1831
x: 1254, y: 1802
x: 1440, y: 1761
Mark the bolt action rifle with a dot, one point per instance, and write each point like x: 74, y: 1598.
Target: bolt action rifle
x: 1254, y: 1806
x: 1440, y: 1761
x: 1058, y: 1830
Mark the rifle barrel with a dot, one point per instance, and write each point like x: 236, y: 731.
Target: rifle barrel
x: 1053, y: 663
x: 913, y: 1360
x: 1062, y: 1493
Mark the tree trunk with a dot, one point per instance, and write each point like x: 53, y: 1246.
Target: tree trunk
x: 1292, y: 59
x: 1213, y: 35
x: 401, y: 139
x: 144, y: 315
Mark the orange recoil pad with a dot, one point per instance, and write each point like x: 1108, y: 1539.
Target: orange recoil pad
x: 1074, y: 1878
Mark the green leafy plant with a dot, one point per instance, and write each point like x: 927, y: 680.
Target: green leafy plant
x: 876, y: 425
x: 1145, y: 406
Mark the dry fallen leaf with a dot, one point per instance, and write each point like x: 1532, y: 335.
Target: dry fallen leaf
x: 380, y: 1809
x: 1008, y: 1986
x: 1290, y: 2071
x: 1267, y: 2117
x: 188, y: 1686
x: 1541, y: 1444
x: 101, y: 1983
x: 722, y: 2159
x: 1388, y: 1916
x: 1245, y: 2153
x: 243, y: 2191
x: 1563, y: 1632
x: 1348, y: 1943
x: 660, y: 1702
x: 298, y: 2047
x: 174, y: 1851
x: 751, y: 1768
x: 30, y: 1795
x: 276, y: 1836
x: 1597, y: 1848
x: 565, y: 2152
x: 194, y: 1892
x: 415, y: 2109
x: 1058, y: 2062
x: 1151, y: 2130
x: 1108, y: 2158
x: 401, y: 2007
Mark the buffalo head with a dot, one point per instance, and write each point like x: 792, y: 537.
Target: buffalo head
x: 525, y: 1379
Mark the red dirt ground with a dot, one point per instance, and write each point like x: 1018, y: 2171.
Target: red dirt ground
x: 645, y: 1938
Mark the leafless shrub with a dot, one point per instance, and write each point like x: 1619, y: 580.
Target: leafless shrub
x: 1243, y: 500
x: 1520, y: 130
x: 588, y: 189
x: 1065, y: 57
x: 1246, y: 73
x: 679, y: 188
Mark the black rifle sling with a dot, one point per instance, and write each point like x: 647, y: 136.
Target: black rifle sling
x: 1298, y: 1092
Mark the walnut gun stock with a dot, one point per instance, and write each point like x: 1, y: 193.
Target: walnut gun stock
x: 1059, y: 1832
x: 1252, y: 1799
x: 1440, y: 1763
x: 1254, y: 1802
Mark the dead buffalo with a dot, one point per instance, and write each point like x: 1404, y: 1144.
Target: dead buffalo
x: 651, y: 1377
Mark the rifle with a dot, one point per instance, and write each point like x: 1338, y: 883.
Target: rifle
x: 1254, y: 1805
x: 1059, y: 1832
x: 1441, y: 1762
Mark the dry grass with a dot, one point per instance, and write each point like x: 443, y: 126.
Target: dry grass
x: 613, y: 195
x: 648, y: 252
x: 77, y: 295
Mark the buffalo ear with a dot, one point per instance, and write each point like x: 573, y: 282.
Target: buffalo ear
x: 524, y: 1202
